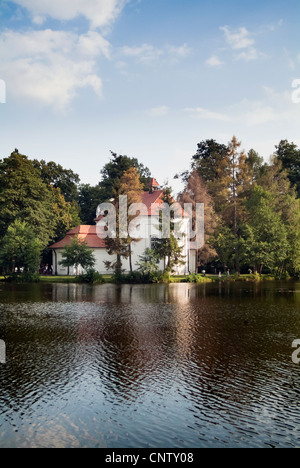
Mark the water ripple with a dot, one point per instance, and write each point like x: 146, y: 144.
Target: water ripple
x: 182, y: 368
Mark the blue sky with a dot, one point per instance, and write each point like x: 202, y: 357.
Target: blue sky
x: 146, y: 78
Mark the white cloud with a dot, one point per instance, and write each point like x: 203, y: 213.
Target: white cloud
x: 179, y: 52
x: 214, y: 61
x: 159, y: 111
x: 275, y: 107
x: 51, y: 66
x: 93, y: 44
x: 241, y: 42
x: 248, y: 54
x: 144, y: 53
x: 147, y: 53
x: 238, y: 40
x: 208, y: 114
x: 100, y: 13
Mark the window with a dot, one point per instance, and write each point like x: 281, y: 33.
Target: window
x: 154, y: 242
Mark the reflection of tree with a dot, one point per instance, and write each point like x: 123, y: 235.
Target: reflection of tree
x: 129, y: 347
x: 41, y: 352
x: 212, y: 344
x: 238, y: 340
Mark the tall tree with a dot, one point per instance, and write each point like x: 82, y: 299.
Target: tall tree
x: 239, y: 184
x: 212, y: 161
x: 24, y: 196
x: 195, y: 192
x: 20, y: 248
x: 55, y: 175
x: 89, y: 198
x: 113, y: 171
x: 256, y: 164
x: 168, y: 248
x: 289, y: 155
x: 264, y: 239
x: 130, y: 185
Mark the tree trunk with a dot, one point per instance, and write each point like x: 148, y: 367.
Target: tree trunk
x: 130, y: 258
x: 119, y: 265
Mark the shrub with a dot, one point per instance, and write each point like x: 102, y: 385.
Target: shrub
x: 23, y: 278
x: 91, y: 276
x: 196, y: 278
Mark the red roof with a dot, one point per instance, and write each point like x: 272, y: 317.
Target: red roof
x: 152, y: 198
x: 86, y: 234
x: 149, y: 199
x: 153, y: 183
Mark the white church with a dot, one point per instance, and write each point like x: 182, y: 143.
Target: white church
x: 148, y: 225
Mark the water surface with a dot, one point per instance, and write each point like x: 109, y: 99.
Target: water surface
x: 158, y: 366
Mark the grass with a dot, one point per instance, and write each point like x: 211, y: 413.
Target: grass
x: 174, y: 279
x: 66, y: 279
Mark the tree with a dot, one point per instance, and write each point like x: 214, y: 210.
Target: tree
x: 212, y: 161
x: 114, y: 170
x: 256, y: 164
x: 168, y: 247
x: 20, y: 249
x: 275, y: 180
x: 223, y: 242
x: 239, y: 184
x: 195, y: 192
x: 78, y: 254
x: 65, y: 214
x: 88, y: 199
x: 130, y: 185
x: 293, y: 237
x: 148, y: 264
x: 55, y: 175
x: 289, y: 155
x: 264, y: 236
x: 24, y: 196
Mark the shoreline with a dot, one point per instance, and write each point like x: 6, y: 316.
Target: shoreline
x: 192, y: 279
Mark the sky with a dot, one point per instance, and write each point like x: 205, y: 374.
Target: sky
x: 149, y: 79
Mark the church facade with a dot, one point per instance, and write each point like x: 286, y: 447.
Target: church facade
x: 148, y: 222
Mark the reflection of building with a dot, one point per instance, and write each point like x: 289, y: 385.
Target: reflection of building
x: 147, y: 225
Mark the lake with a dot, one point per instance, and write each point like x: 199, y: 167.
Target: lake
x: 150, y: 366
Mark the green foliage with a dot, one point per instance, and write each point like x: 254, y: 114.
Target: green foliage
x: 289, y: 155
x: 137, y: 277
x: 23, y: 278
x: 148, y: 264
x: 56, y: 176
x: 88, y: 199
x: 264, y: 238
x: 20, y: 249
x: 90, y: 277
x: 223, y: 242
x: 28, y: 194
x: 24, y: 196
x: 197, y: 278
x: 113, y: 171
x: 78, y: 254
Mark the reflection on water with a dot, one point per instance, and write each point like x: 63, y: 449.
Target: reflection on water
x: 150, y: 365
